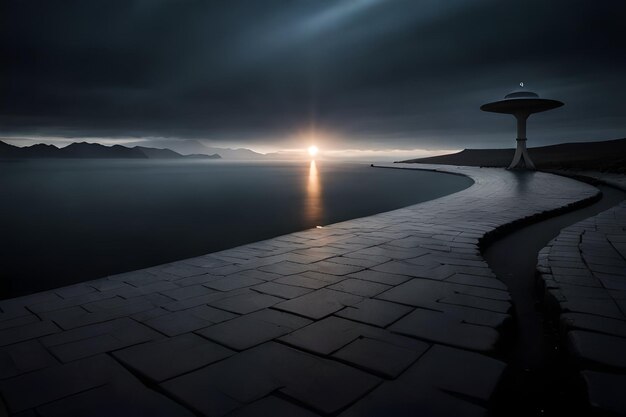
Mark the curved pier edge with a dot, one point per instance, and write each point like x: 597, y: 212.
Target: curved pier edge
x: 583, y: 271
x: 396, y: 312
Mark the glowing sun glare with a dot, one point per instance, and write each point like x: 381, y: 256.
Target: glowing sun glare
x: 313, y: 150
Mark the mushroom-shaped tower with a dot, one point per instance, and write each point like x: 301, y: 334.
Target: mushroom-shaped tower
x: 521, y: 103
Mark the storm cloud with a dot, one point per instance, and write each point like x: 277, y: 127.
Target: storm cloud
x: 375, y: 73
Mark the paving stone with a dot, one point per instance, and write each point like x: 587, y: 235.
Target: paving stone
x: 74, y: 290
x: 201, y: 397
x: 36, y: 388
x: 325, y: 267
x: 440, y: 364
x: 144, y: 289
x: 611, y: 283
x: 375, y: 312
x: 69, y: 302
x: 302, y: 281
x: 359, y: 287
x: 363, y: 263
x: 272, y: 406
x: 447, y: 270
x: 105, y: 284
x: 379, y: 357
x: 395, y: 339
x: 594, y: 323
x: 134, y: 276
x: 598, y: 348
x: 143, y: 316
x: 78, y: 317
x: 129, y: 399
x: 324, y: 277
x: 575, y: 280
x: 197, y: 280
x: 430, y: 294
x: 202, y: 300
x: 67, y: 315
x: 17, y: 306
x: 91, y: 340
x: 10, y: 312
x: 285, y: 268
x: 18, y: 321
x: 253, y: 329
x: 186, y: 292
x: 280, y: 290
x: 258, y: 274
x: 246, y: 303
x: 606, y: 391
x: 328, y: 335
x: 232, y: 283
x: 257, y: 372
x: 441, y: 328
x: 181, y: 270
x: 166, y: 358
x: 423, y: 389
x: 214, y: 315
x: 318, y: 304
x: 576, y: 292
x: 461, y: 261
x: 54, y: 383
x: 24, y: 357
x: 380, y: 277
x: 477, y: 302
x: 388, y: 252
x: 365, y: 256
x: 605, y: 308
x: 477, y: 281
x: 27, y: 332
x: 185, y: 321
x: 104, y: 304
x: 403, y: 268
x: 443, y: 272
x: 157, y: 300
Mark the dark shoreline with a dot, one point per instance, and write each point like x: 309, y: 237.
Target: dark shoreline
x: 604, y: 156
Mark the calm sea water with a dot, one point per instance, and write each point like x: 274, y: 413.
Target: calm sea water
x: 66, y: 221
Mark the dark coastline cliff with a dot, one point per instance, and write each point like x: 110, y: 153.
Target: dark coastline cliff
x: 609, y: 156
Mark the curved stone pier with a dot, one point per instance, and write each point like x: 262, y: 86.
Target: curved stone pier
x: 392, y: 313
x: 584, y: 273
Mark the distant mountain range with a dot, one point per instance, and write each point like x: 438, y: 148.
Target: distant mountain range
x: 607, y: 155
x: 192, y: 146
x: 93, y: 150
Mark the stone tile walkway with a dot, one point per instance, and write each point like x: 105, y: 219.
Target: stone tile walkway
x: 392, y: 313
x: 614, y: 180
x: 584, y: 271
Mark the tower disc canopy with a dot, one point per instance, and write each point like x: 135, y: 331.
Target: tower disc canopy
x: 521, y: 103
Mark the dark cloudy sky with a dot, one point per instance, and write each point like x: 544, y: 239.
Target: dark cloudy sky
x: 380, y: 74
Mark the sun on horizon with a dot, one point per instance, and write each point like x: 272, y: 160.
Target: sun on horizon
x: 313, y: 150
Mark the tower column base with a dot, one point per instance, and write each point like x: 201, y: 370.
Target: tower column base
x: 521, y: 159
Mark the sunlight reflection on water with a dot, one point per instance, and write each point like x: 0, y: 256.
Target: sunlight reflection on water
x: 313, y: 203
